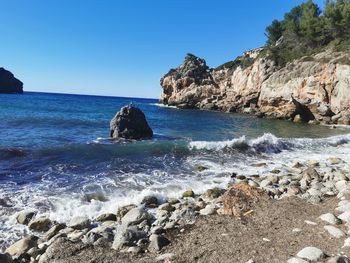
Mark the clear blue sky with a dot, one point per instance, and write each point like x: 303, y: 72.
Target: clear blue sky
x: 123, y: 47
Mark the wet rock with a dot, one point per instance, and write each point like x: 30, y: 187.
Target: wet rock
x: 311, y: 253
x: 79, y: 223
x: 90, y: 238
x: 334, y: 231
x: 20, y: 248
x: 5, y: 258
x: 173, y: 201
x: 127, y: 237
x: 106, y: 217
x: 213, y: 193
x: 53, y: 231
x: 241, y: 198
x: 330, y: 218
x: 157, y: 242
x: 40, y: 224
x: 25, y: 217
x: 265, y: 183
x: 201, y: 168
x: 122, y: 211
x: 130, y: 123
x: 135, y: 216
x: 150, y: 201
x: 166, y: 207
x: 77, y: 234
x: 188, y: 193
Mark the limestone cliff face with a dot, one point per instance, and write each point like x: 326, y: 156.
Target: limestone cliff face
x: 315, y: 89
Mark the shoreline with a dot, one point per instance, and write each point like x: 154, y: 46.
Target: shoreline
x: 140, y: 232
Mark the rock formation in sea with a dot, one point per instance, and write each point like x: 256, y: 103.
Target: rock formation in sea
x: 8, y: 82
x: 314, y: 89
x: 130, y: 123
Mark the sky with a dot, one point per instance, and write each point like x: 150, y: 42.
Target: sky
x: 122, y: 48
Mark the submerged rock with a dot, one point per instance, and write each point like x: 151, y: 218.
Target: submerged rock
x: 130, y: 123
x: 8, y: 82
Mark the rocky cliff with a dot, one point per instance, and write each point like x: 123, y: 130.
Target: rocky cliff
x: 315, y: 89
x: 8, y: 82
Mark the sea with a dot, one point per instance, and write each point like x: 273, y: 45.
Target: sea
x: 56, y: 157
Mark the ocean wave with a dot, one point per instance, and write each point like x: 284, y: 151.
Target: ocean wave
x: 164, y: 106
x: 267, y: 143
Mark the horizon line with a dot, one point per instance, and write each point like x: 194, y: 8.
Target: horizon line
x: 93, y: 95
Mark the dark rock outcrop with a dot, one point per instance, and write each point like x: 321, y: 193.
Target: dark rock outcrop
x: 8, y: 82
x: 130, y: 123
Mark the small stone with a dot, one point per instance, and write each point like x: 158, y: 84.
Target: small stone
x: 296, y: 260
x: 347, y: 242
x: 40, y: 224
x: 330, y: 218
x: 188, y: 193
x: 134, y: 250
x: 208, y: 210
x: 339, y: 259
x: 157, y: 242
x: 334, y: 231
x: 201, y: 168
x: 18, y: 249
x: 106, y: 217
x: 25, y: 217
x: 214, y: 193
x: 335, y: 160
x: 266, y: 239
x: 150, y: 201
x: 166, y: 207
x: 53, y: 231
x: 79, y: 223
x: 310, y: 223
x: 173, y: 201
x: 127, y: 237
x: 265, y: 183
x: 311, y: 253
x: 296, y: 230
x: 135, y: 216
x: 123, y: 210
x: 345, y: 217
x: 165, y: 257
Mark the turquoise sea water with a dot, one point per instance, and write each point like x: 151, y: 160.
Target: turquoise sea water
x: 56, y: 157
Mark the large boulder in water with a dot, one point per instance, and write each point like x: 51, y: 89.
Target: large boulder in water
x: 130, y: 123
x: 8, y: 82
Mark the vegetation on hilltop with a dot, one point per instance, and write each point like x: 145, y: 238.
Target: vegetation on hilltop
x: 304, y: 30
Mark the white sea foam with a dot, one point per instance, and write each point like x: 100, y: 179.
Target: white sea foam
x: 63, y: 204
x: 164, y: 106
